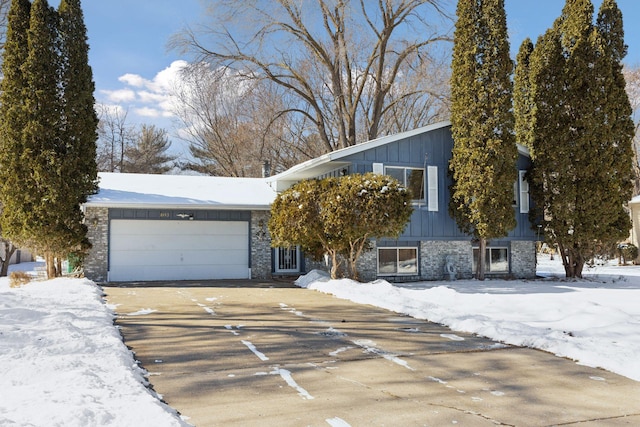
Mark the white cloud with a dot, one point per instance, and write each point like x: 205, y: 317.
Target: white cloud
x: 120, y: 95
x: 133, y: 80
x: 148, y: 112
x: 147, y: 98
x: 151, y: 97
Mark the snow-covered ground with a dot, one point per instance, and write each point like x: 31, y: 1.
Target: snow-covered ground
x: 62, y: 362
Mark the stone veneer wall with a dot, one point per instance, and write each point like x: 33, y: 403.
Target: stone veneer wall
x: 261, y: 265
x: 523, y: 259
x: 433, y: 254
x: 367, y: 265
x: 96, y: 261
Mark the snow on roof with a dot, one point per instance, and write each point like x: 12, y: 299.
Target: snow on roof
x: 142, y: 190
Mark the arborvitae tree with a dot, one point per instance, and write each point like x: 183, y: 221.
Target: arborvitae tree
x: 483, y: 165
x: 80, y: 121
x: 522, y: 102
x: 581, y: 143
x: 42, y: 215
x: 48, y: 131
x: 148, y: 152
x: 12, y: 112
x: 617, y: 143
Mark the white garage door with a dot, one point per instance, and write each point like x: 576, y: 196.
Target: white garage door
x: 178, y: 250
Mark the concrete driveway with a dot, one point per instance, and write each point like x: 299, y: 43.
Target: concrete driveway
x: 238, y: 353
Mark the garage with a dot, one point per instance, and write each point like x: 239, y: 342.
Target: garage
x: 147, y: 250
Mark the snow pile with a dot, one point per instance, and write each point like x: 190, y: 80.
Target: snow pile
x: 593, y: 322
x: 62, y: 361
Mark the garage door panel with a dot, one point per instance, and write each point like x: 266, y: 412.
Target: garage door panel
x: 148, y: 273
x: 184, y: 258
x: 130, y: 242
x: 178, y: 250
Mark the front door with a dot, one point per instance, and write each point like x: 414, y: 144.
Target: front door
x: 287, y: 260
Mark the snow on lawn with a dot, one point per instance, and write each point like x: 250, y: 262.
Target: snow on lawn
x: 594, y: 321
x: 62, y: 361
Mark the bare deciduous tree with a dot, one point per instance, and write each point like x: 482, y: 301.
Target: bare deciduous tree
x: 632, y: 77
x: 344, y: 65
x: 114, y: 136
x: 233, y: 126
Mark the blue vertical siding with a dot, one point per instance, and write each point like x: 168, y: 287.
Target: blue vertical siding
x: 432, y: 148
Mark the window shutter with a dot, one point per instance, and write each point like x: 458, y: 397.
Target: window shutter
x: 432, y: 188
x: 378, y: 168
x: 524, y: 192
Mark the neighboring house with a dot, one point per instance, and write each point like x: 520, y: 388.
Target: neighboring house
x: 154, y: 227
x: 634, y: 211
x: 20, y: 255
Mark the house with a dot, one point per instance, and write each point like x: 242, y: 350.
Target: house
x: 155, y: 227
x: 634, y: 212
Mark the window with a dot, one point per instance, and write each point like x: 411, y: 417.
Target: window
x: 410, y: 178
x: 395, y: 261
x: 496, y: 260
x: 287, y: 260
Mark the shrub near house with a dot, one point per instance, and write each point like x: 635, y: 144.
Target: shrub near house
x: 340, y: 216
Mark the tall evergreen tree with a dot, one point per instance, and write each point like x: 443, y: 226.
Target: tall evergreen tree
x: 483, y: 165
x: 13, y: 113
x: 522, y: 105
x: 617, y: 123
x: 79, y: 124
x: 580, y: 146
x: 47, y: 155
x: 41, y: 215
x: 80, y: 121
x: 12, y: 101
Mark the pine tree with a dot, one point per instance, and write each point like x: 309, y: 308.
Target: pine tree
x: 148, y: 152
x: 483, y: 165
x: 580, y: 145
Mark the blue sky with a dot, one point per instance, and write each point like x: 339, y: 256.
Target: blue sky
x: 131, y: 63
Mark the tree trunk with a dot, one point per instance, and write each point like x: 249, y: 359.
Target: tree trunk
x: 51, y: 265
x: 335, y: 265
x: 482, y: 255
x: 354, y: 255
x: 9, y: 250
x: 572, y: 260
x: 58, y: 267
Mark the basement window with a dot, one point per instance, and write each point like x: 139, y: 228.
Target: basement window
x: 496, y: 260
x: 397, y: 261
